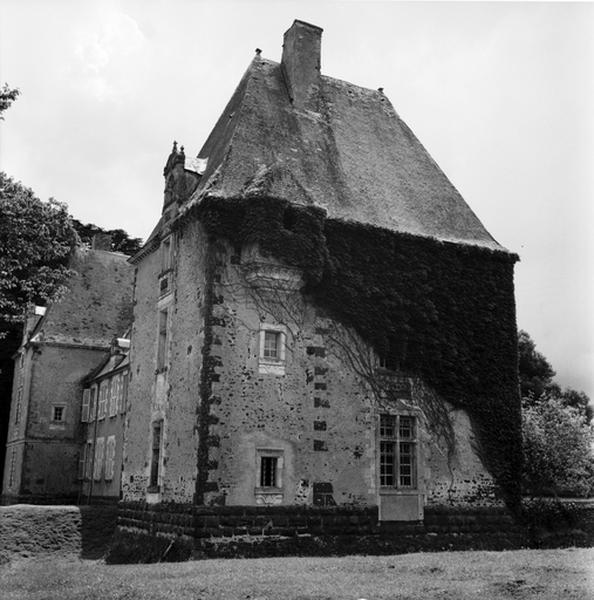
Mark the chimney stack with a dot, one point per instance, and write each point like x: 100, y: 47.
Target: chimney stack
x: 301, y: 64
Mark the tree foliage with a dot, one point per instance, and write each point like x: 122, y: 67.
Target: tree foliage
x: 536, y: 380
x: 557, y: 449
x: 7, y: 97
x: 36, y: 239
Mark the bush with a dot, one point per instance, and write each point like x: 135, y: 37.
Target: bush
x: 558, y: 454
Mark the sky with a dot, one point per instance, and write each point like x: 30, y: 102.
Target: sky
x: 500, y: 94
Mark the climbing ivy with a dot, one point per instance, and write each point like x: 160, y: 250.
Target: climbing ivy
x: 438, y: 310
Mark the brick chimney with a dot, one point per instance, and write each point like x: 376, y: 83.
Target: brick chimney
x: 101, y: 241
x: 301, y: 64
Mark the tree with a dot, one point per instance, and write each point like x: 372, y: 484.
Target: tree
x: 536, y: 380
x: 36, y: 239
x: 536, y: 374
x: 558, y: 452
x: 7, y: 97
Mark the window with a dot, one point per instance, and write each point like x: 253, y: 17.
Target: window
x: 18, y: 408
x: 162, y: 340
x: 84, y: 413
x: 156, y: 456
x: 110, y: 457
x: 268, y: 471
x: 11, y: 477
x: 272, y: 349
x: 58, y: 414
x: 84, y: 460
x: 398, y: 451
x: 88, y: 473
x: 99, y: 453
x: 270, y: 468
x: 164, y: 278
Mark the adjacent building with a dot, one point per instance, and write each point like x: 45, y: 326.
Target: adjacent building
x: 61, y: 345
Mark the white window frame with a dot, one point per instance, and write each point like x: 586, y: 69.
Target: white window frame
x: 270, y: 365
x: 101, y: 410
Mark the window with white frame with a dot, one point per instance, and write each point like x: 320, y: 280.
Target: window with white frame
x: 110, y: 448
x: 99, y: 457
x: 398, y: 451
x: 272, y: 349
x: 162, y: 339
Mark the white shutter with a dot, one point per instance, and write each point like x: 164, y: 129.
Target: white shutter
x: 110, y: 457
x: 99, y: 452
x: 84, y: 414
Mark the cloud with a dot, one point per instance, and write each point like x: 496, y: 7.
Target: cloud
x: 103, y: 54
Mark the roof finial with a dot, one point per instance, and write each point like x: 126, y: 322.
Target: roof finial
x: 174, y: 146
x: 258, y: 51
x: 181, y: 150
x: 380, y: 90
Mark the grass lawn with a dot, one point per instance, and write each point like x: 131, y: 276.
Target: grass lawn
x: 543, y: 574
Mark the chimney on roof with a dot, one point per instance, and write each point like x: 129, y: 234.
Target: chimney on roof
x: 101, y: 241
x: 300, y: 64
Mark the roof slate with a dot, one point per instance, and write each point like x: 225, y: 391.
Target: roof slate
x: 355, y: 158
x: 97, y: 304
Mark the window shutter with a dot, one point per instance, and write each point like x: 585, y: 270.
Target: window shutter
x: 110, y: 457
x: 124, y: 396
x: 86, y: 399
x: 99, y: 454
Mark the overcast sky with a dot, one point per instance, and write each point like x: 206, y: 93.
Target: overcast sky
x: 500, y: 94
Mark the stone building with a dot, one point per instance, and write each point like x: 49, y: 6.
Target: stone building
x: 319, y: 317
x: 61, y: 346
x: 103, y: 411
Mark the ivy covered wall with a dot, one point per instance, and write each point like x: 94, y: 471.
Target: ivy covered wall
x: 438, y: 310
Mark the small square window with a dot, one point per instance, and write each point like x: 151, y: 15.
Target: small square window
x: 58, y: 413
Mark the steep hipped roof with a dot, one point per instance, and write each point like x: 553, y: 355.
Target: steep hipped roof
x: 96, y: 305
x: 353, y: 156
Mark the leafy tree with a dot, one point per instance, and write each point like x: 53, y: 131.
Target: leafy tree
x: 36, y: 239
x: 7, y: 97
x: 557, y: 449
x: 536, y: 380
x: 536, y: 374
x: 120, y: 240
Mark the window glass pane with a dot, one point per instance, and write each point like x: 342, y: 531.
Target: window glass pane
x: 406, y: 466
x: 268, y: 467
x: 387, y: 426
x: 271, y: 344
x: 407, y: 428
x: 387, y: 462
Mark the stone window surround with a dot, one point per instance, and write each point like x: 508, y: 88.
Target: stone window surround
x: 270, y: 365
